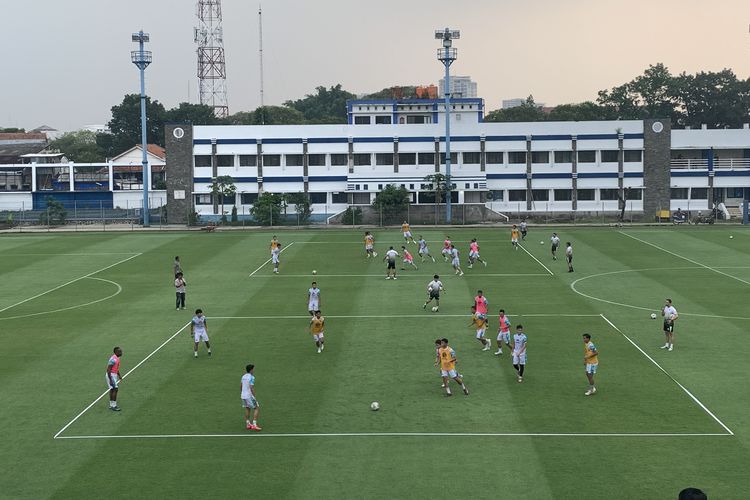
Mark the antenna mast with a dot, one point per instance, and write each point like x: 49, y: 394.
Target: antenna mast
x: 212, y: 70
x: 260, y: 47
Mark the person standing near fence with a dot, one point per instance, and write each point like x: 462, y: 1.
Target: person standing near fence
x: 177, y: 266
x: 179, y: 285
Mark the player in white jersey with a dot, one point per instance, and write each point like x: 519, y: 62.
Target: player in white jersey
x: 423, y: 250
x: 433, y: 290
x: 555, y: 240
x: 569, y: 256
x: 249, y: 402
x: 519, y: 352
x: 670, y: 316
x: 524, y: 230
x: 455, y: 261
x: 199, y: 330
x: 313, y: 298
x: 390, y: 256
x: 275, y: 258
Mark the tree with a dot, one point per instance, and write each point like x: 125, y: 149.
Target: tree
x: 55, y: 213
x: 268, y: 115
x: 126, y: 122
x: 439, y: 184
x: 197, y: 114
x: 301, y: 202
x: 325, y: 106
x: 267, y: 209
x: 526, y: 112
x: 585, y: 111
x: 715, y: 99
x: 223, y: 186
x: 12, y: 130
x: 650, y: 95
x: 80, y: 146
x: 391, y: 202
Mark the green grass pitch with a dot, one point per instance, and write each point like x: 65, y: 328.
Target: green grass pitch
x: 660, y: 421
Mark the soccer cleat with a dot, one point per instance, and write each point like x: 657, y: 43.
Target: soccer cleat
x: 322, y: 347
x: 462, y: 273
x: 442, y: 386
x: 319, y: 351
x: 424, y: 306
x: 670, y: 348
x: 485, y: 263
x: 466, y: 391
x: 195, y: 354
x: 395, y: 278
x: 520, y: 379
x: 471, y: 266
x: 665, y: 346
x: 448, y: 394
x: 209, y: 353
x: 486, y: 347
x: 498, y: 353
x: 115, y: 408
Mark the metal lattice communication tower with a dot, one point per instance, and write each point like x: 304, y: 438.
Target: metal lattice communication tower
x: 212, y: 69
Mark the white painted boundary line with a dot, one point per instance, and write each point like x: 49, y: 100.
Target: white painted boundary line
x: 65, y: 254
x: 685, y: 258
x: 269, y: 260
x: 729, y: 431
x: 424, y: 315
x: 71, y: 282
x: 396, y: 434
x: 537, y: 260
x: 381, y: 275
x: 56, y: 436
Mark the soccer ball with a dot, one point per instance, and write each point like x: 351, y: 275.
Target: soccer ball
x: 541, y: 243
x: 374, y: 254
x: 731, y: 237
x: 653, y: 315
x: 434, y: 309
x: 374, y: 406
x: 315, y: 272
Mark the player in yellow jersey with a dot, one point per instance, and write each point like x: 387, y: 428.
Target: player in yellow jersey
x: 447, y: 357
x: 590, y: 361
x: 514, y: 234
x: 370, y: 245
x: 480, y: 322
x: 274, y: 243
x: 317, y: 329
x: 406, y: 229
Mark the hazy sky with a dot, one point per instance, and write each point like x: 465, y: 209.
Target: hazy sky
x: 66, y: 63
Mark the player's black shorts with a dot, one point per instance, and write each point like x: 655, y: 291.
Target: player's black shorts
x: 391, y: 264
x: 523, y: 232
x: 435, y: 295
x: 569, y: 258
x: 554, y: 247
x: 668, y: 327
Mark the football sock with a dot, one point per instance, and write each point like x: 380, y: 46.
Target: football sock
x: 255, y: 423
x: 520, y: 371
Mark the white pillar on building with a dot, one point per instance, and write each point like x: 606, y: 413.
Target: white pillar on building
x: 71, y: 172
x: 110, y: 174
x: 33, y: 177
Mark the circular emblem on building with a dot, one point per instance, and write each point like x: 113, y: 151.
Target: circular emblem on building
x: 657, y: 127
x: 178, y: 133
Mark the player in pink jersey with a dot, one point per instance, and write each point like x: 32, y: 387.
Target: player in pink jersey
x: 503, y: 332
x: 408, y: 258
x: 447, y: 251
x: 480, y: 301
x: 113, y: 378
x: 474, y: 253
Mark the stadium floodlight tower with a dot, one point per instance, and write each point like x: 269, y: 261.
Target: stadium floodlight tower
x: 446, y: 55
x: 142, y: 58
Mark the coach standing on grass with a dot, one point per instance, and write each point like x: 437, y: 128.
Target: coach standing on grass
x: 179, y: 285
x: 113, y: 378
x: 670, y: 316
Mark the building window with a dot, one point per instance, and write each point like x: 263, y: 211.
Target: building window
x: 586, y: 194
x: 587, y: 157
x: 361, y: 198
x: 19, y: 179
x: 563, y: 194
x: 203, y: 199
x: 316, y: 160
x: 416, y: 119
x: 540, y: 157
x: 471, y: 158
x: 383, y: 159
x: 679, y: 194
x: 633, y: 156
x: 202, y: 160
x: 610, y: 156
x: 225, y: 160
x: 248, y: 160
x: 362, y: 120
x: 426, y: 158
x: 466, y: 185
x: 454, y: 158
x: 517, y: 195
x: 637, y: 194
x: 362, y: 159
x: 407, y: 158
x: 426, y: 197
x: 339, y: 160
x: 497, y: 195
x: 540, y: 194
x: 609, y: 194
x: 338, y: 198
x: 271, y: 160
x: 294, y: 160
x: 383, y: 120
x: 699, y: 193
x: 320, y: 198
x: 248, y: 198
x: 517, y: 157
x: 494, y: 158
x: 563, y: 156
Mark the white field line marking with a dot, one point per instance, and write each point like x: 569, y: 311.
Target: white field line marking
x: 424, y: 315
x: 128, y: 373
x: 269, y: 260
x: 537, y: 260
x: 65, y: 254
x: 685, y: 258
x: 649, y: 309
x: 119, y: 289
x: 398, y: 434
x: 408, y: 273
x: 670, y: 376
x: 70, y: 282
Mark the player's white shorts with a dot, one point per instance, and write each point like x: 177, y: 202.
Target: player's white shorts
x: 514, y: 240
x: 368, y: 248
x: 407, y: 234
x: 519, y: 359
x: 446, y: 251
x: 313, y: 305
x: 455, y: 262
x: 474, y: 255
x: 449, y: 373
x: 274, y: 259
x: 200, y: 335
x: 503, y: 337
x: 113, y: 381
x: 318, y: 337
x: 250, y: 403
x: 480, y: 333
x: 591, y: 368
x: 424, y: 251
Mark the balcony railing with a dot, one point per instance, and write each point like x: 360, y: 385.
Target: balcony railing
x: 731, y: 163
x: 688, y: 163
x: 697, y: 163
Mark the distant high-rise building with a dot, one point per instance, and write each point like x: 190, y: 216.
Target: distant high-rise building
x: 461, y: 86
x: 514, y: 103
